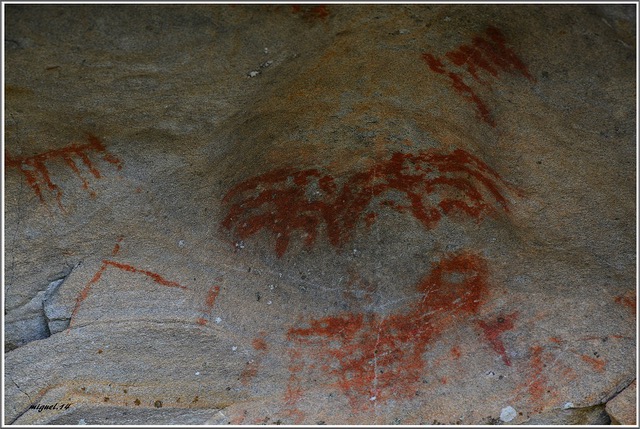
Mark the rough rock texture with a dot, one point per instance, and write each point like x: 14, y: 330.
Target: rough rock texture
x: 341, y: 214
x: 622, y: 409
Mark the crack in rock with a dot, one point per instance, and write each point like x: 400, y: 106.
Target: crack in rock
x: 56, y: 318
x: 39, y: 318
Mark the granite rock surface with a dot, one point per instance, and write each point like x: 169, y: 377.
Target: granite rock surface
x: 319, y: 214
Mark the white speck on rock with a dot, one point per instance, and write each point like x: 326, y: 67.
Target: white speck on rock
x: 271, y: 287
x: 234, y: 348
x: 373, y: 398
x: 253, y: 73
x: 269, y: 303
x: 218, y: 320
x: 403, y: 31
x: 266, y: 50
x: 507, y: 414
x: 567, y: 405
x: 181, y: 243
x: 197, y: 372
x: 82, y: 422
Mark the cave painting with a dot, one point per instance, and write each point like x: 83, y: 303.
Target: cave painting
x: 373, y: 358
x: 428, y: 185
x: 493, y: 331
x: 155, y: 277
x: 488, y: 54
x: 37, y: 174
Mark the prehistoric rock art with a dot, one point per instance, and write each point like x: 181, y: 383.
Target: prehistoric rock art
x: 457, y: 304
x: 157, y: 278
x: 286, y: 200
x: 490, y: 54
x: 493, y: 330
x: 37, y: 174
x: 628, y: 300
x: 373, y: 358
x: 253, y: 365
x: 209, y: 303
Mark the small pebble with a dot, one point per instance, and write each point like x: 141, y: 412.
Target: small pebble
x: 507, y: 414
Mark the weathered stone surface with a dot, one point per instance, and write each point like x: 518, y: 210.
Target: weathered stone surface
x: 623, y: 408
x: 380, y: 214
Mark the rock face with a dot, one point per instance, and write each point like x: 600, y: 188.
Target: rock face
x: 622, y: 408
x: 341, y: 214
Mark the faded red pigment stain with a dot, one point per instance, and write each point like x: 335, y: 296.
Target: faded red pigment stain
x: 37, y: 174
x: 455, y: 352
x: 116, y: 248
x: 538, y: 384
x: 287, y: 202
x: 597, y: 364
x: 493, y: 329
x: 373, y: 358
x: 487, y: 56
x: 628, y: 300
x: 239, y: 419
x: 259, y: 344
x: 209, y: 303
x: 311, y: 12
x: 294, y: 391
x: 84, y: 293
x: 253, y: 366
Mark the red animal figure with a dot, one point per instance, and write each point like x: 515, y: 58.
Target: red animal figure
x: 488, y: 54
x: 286, y: 200
x: 374, y: 358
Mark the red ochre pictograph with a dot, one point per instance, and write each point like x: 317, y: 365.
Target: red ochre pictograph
x: 628, y: 300
x: 157, y: 278
x: 253, y: 365
x: 209, y: 303
x: 37, y: 174
x: 488, y: 54
x: 374, y: 358
x: 494, y: 329
x: 550, y: 362
x: 428, y: 185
